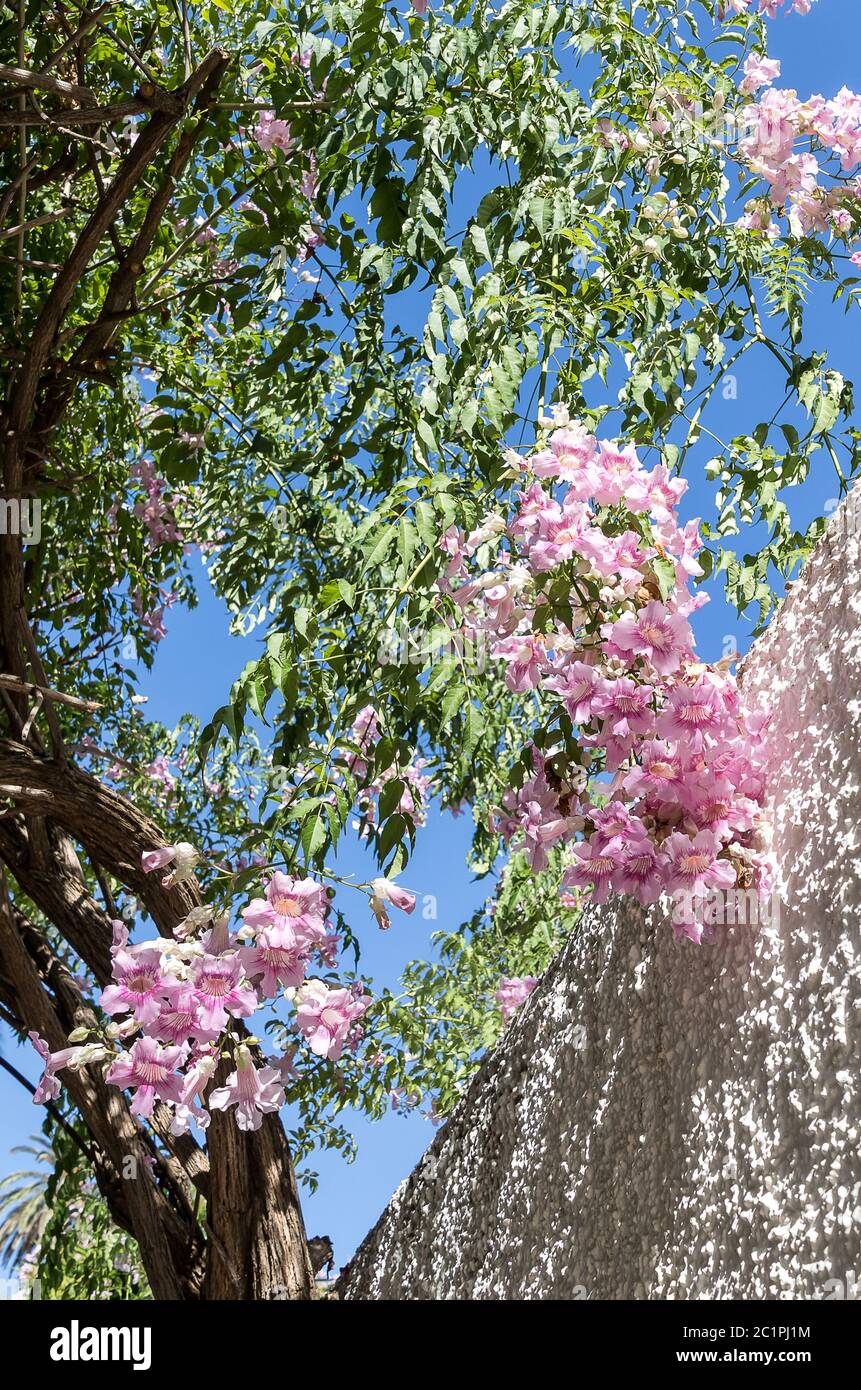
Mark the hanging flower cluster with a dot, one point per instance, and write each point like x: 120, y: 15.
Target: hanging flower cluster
x: 173, y: 1001
x: 272, y: 134
x: 152, y: 618
x: 648, y: 770
x: 154, y: 509
x: 514, y: 991
x: 365, y: 734
x: 769, y: 8
x: 788, y: 142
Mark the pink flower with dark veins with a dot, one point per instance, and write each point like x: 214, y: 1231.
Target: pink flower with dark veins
x: 692, y: 712
x: 693, y: 866
x: 276, y: 960
x: 577, y: 685
x: 139, y: 984
x: 593, y: 866
x: 625, y: 707
x: 659, y: 774
x: 179, y: 1019
x: 255, y: 1091
x: 219, y: 991
x: 149, y: 1070
x: 326, y: 1016
x: 641, y: 871
x: 654, y: 632
x: 296, y: 904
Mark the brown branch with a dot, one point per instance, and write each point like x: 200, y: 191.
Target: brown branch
x: 42, y: 220
x: 104, y: 888
x: 38, y: 81
x: 47, y: 869
x: 20, y: 178
x: 124, y: 279
x: 28, y: 264
x: 93, y: 162
x: 134, y: 106
x: 35, y: 661
x: 134, y: 56
x: 110, y: 828
x: 37, y: 179
x: 147, y: 145
x: 87, y: 115
x: 31, y: 718
x: 25, y: 387
x: 28, y: 688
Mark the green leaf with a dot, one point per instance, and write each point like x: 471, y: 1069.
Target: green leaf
x: 665, y: 574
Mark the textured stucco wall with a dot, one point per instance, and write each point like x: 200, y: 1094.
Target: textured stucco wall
x: 668, y: 1120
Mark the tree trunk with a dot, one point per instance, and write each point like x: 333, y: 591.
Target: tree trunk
x: 255, y: 1237
x: 258, y: 1249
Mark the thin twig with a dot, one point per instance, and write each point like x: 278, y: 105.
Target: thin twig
x: 31, y: 717
x: 28, y: 264
x: 36, y: 662
x: 28, y: 688
x: 40, y: 221
x: 135, y: 58
x: 22, y: 192
x: 14, y: 186
x: 103, y: 885
x: 186, y: 38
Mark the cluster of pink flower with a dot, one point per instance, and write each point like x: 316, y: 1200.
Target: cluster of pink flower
x: 152, y: 619
x: 153, y: 510
x: 272, y: 134
x: 772, y: 128
x: 365, y: 733
x: 159, y: 772
x: 770, y: 8
x: 176, y: 997
x: 664, y: 792
x: 513, y: 992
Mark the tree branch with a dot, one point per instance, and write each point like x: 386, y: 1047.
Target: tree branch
x: 38, y: 81
x: 28, y: 688
x: 148, y: 143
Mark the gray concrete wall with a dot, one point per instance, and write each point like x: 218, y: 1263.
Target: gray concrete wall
x: 667, y: 1120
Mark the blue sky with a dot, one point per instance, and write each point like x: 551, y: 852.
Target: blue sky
x: 198, y: 660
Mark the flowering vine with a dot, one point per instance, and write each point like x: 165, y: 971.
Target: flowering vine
x: 646, y: 767
x: 174, y: 1002
x: 413, y: 783
x: 769, y: 8
x: 797, y: 176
